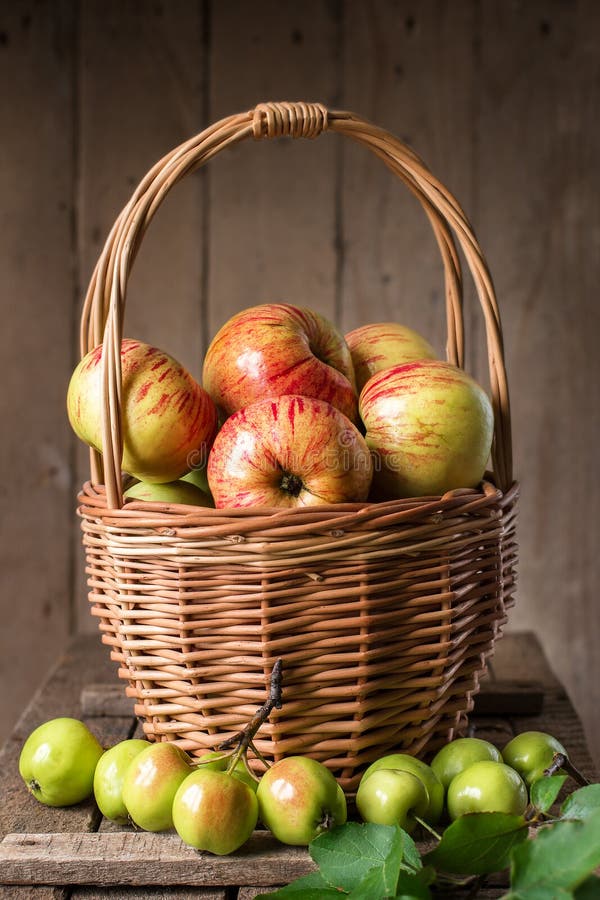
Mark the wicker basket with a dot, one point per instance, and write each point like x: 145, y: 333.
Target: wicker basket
x: 384, y: 614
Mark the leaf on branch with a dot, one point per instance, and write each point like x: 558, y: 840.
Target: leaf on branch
x: 346, y: 854
x: 310, y: 887
x: 562, y: 855
x: 582, y: 804
x: 478, y: 843
x: 545, y: 791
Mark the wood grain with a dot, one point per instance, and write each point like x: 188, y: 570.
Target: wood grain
x: 36, y: 291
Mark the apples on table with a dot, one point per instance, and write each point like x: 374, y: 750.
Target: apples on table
x: 151, y: 782
x: 487, y: 786
x: 109, y: 775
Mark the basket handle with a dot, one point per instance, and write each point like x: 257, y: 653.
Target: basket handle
x: 103, y: 311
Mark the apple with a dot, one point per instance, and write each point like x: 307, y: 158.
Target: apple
x: 392, y: 797
x: 151, y: 782
x: 198, y: 477
x: 429, y: 426
x: 487, y: 786
x: 531, y: 753
x: 58, y: 760
x: 109, y: 775
x: 379, y: 346
x: 166, y: 416
x: 458, y: 755
x: 169, y: 492
x: 217, y: 761
x: 214, y: 811
x: 288, y: 451
x: 298, y: 798
x: 407, y: 763
x: 275, y: 349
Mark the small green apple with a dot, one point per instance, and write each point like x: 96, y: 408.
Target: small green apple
x: 487, y: 786
x: 58, y: 760
x: 109, y: 775
x: 151, y: 782
x: 217, y: 761
x: 458, y: 755
x: 169, y: 492
x: 214, y: 811
x: 299, y: 798
x: 530, y: 753
x: 415, y: 766
x: 392, y: 797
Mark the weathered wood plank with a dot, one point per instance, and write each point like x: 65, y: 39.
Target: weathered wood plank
x: 144, y: 858
x: 272, y: 205
x: 147, y: 893
x: 33, y: 892
x: 406, y: 66
x: 58, y: 696
x: 539, y: 218
x: 141, y: 94
x: 36, y: 293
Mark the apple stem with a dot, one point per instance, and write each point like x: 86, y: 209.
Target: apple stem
x: 427, y: 827
x: 560, y: 761
x: 244, y: 739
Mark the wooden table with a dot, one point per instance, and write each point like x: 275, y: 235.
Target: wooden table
x: 75, y: 853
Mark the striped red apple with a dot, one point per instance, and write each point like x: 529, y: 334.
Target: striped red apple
x: 288, y: 451
x: 429, y: 426
x: 275, y: 349
x: 167, y: 417
x: 381, y: 345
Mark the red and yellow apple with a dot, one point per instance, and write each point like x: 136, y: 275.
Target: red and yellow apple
x: 429, y: 426
x: 275, y: 349
x: 166, y: 415
x: 288, y: 451
x: 379, y: 346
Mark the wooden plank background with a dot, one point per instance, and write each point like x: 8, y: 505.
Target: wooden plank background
x: 500, y: 98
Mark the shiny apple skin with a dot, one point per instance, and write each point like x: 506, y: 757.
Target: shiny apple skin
x: 487, y: 786
x: 275, y: 349
x: 287, y: 452
x: 530, y: 753
x: 430, y: 427
x: 298, y: 799
x: 458, y: 755
x: 392, y: 797
x: 407, y: 763
x: 151, y: 782
x: 378, y: 346
x: 109, y: 775
x: 167, y: 417
x: 214, y: 811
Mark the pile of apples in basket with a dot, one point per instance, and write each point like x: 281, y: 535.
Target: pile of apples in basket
x: 291, y: 414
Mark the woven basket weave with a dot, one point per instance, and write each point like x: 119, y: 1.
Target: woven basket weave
x: 384, y: 614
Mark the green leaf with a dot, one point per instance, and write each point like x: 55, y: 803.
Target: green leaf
x: 346, y: 854
x: 310, y: 887
x: 582, y: 803
x: 561, y: 856
x: 589, y: 890
x: 539, y: 893
x: 545, y: 791
x: 411, y: 858
x: 478, y: 843
x: 373, y: 887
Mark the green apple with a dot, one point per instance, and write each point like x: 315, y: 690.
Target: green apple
x: 199, y: 478
x: 58, y: 760
x: 530, y: 753
x: 487, y: 786
x: 392, y: 797
x: 415, y: 766
x: 458, y: 755
x: 298, y: 798
x: 151, y: 782
x: 217, y: 761
x: 214, y: 811
x: 109, y: 775
x: 169, y: 492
